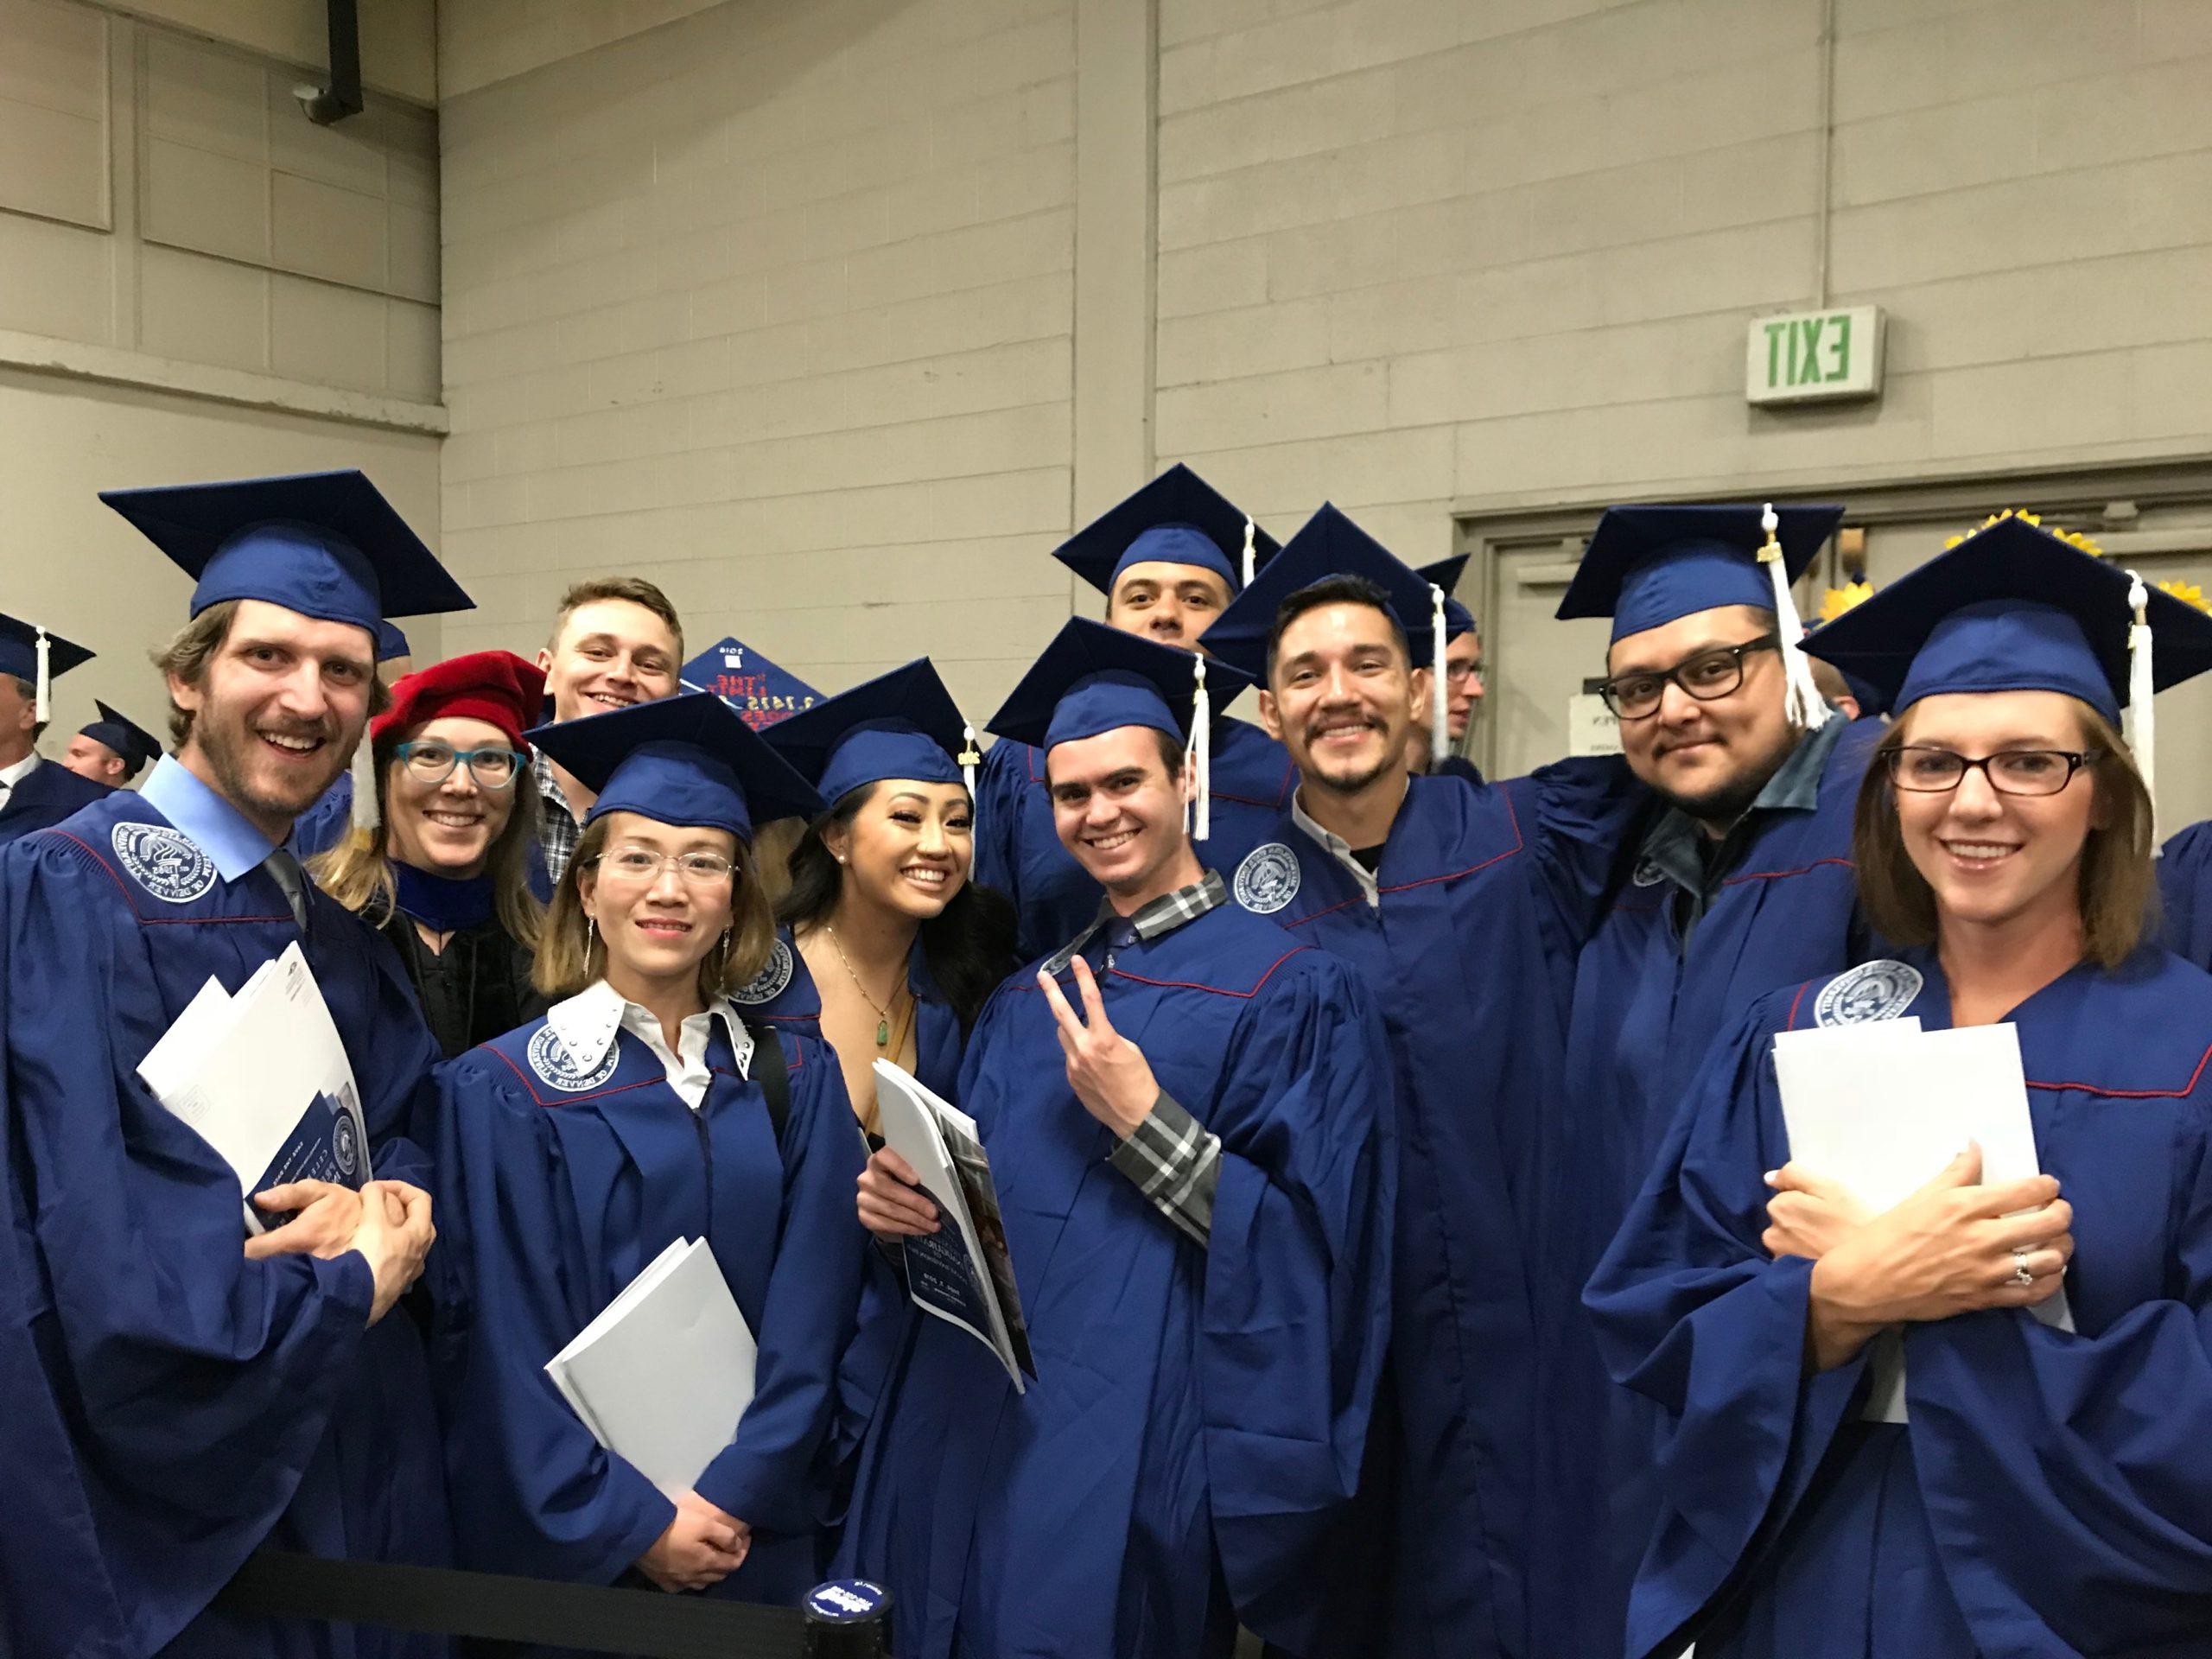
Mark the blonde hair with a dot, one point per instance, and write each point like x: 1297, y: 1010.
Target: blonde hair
x: 570, y: 955
x: 358, y: 872
x: 2118, y: 888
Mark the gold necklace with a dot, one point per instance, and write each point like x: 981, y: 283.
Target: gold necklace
x: 882, y: 1010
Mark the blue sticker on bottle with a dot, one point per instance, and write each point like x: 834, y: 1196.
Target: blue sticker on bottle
x: 847, y: 1601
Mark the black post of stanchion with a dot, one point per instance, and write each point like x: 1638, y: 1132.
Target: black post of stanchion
x: 848, y: 1618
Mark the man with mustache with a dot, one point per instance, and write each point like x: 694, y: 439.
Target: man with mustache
x: 1167, y: 559
x: 616, y: 641
x: 1461, y: 906
x: 1738, y: 879
x: 182, y: 1394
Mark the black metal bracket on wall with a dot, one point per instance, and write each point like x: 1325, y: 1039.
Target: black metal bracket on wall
x: 327, y: 105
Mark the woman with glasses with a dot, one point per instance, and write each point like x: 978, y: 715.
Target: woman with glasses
x: 2049, y: 1490
x: 640, y: 1110
x: 446, y: 874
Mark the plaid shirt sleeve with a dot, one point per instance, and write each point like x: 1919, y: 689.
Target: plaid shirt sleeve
x: 1176, y: 1164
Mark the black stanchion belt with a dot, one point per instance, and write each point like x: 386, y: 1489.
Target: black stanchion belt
x: 441, y: 1601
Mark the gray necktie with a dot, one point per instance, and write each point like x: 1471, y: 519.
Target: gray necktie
x: 290, y: 877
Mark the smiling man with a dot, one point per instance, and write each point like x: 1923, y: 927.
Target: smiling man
x: 616, y: 641
x: 214, y: 1393
x: 1185, y: 1111
x: 1739, y: 880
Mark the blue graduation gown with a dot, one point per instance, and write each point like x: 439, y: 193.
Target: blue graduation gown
x: 1485, y: 894
x: 214, y: 1405
x: 2185, y: 885
x: 47, y: 795
x: 1019, y: 852
x: 1646, y: 1009
x: 324, y: 824
x: 1197, y: 1413
x: 559, y: 1188
x: 2052, y: 1493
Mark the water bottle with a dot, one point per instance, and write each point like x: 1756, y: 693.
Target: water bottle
x: 848, y: 1618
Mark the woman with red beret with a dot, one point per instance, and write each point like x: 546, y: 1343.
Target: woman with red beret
x: 445, y: 872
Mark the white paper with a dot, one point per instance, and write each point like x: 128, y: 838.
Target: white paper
x: 1881, y: 1108
x: 664, y: 1375
x: 263, y: 1079
x: 958, y: 1277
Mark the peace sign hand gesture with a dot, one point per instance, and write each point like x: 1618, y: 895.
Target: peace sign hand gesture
x: 1109, y: 1073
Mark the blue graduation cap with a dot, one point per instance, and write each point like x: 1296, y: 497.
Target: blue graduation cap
x: 1650, y: 565
x: 391, y: 642
x: 1093, y: 679
x: 1177, y: 518
x: 1445, y: 574
x: 29, y: 652
x: 132, y: 741
x: 903, y: 724
x: 688, y: 761
x: 763, y: 693
x: 325, y: 544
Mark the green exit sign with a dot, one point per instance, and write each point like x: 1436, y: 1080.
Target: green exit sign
x: 1811, y: 356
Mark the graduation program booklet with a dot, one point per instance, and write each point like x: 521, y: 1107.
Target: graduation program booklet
x: 663, y: 1376
x: 263, y: 1079
x: 962, y: 1274
x: 1883, y: 1106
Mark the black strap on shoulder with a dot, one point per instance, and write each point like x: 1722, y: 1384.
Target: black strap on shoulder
x: 769, y: 1067
x: 496, y: 1608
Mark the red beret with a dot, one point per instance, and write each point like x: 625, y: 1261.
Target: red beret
x: 496, y: 686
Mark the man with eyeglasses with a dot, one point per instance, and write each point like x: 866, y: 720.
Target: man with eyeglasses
x: 1738, y: 879
x: 1462, y: 687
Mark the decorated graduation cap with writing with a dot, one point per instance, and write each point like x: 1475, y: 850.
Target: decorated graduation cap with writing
x: 903, y: 724
x: 32, y: 654
x: 1092, y: 679
x: 327, y: 545
x: 1177, y: 518
x: 687, y: 761
x: 131, y: 741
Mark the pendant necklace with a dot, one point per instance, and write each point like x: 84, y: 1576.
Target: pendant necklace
x: 882, y: 1010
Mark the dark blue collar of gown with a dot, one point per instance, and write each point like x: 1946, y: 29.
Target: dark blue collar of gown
x: 444, y: 904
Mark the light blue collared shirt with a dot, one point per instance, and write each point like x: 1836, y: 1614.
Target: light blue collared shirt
x: 213, y: 825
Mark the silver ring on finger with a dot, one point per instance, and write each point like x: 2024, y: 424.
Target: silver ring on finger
x: 2021, y: 1276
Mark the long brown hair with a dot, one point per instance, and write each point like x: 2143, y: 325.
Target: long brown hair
x: 570, y: 955
x: 2118, y: 888
x: 357, y: 875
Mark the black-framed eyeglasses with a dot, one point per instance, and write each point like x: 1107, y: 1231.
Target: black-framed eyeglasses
x: 1924, y: 769
x: 1709, y: 675
x: 429, y: 761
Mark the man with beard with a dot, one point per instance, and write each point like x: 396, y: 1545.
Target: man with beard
x: 200, y: 1393
x: 32, y: 793
x: 1168, y: 559
x: 1739, y: 880
x: 1461, y: 907
x: 1186, y: 1112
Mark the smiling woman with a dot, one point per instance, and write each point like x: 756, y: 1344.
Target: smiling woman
x: 447, y: 878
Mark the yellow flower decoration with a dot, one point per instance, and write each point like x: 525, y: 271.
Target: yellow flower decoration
x: 2071, y: 537
x: 2188, y: 591
x: 1837, y: 600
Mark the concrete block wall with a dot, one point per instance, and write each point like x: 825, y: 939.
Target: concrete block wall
x: 1419, y: 251
x: 772, y: 304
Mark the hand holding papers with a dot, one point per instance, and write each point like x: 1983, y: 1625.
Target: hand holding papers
x: 962, y: 1273
x: 663, y: 1374
x: 264, y: 1079
x: 1882, y: 1107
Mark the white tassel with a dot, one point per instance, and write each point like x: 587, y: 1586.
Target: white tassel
x: 1807, y: 710
x: 365, y: 819
x: 1251, y: 555
x: 42, y: 709
x: 1198, y: 756
x: 2140, y: 722
x: 970, y: 757
x: 1439, y: 728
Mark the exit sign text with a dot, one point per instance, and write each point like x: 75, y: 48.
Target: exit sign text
x: 1812, y: 355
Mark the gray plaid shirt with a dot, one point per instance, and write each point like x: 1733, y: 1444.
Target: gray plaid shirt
x: 1175, y: 1163
x: 558, y: 831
